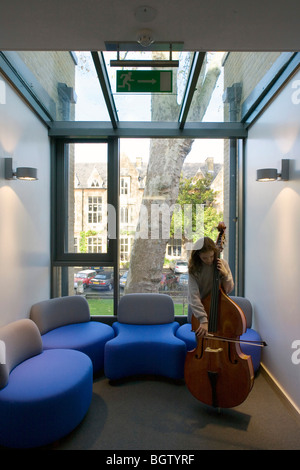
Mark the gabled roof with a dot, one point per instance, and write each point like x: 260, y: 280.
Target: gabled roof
x: 85, y: 172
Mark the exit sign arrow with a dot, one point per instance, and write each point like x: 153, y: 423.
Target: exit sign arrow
x: 144, y: 81
x: 147, y: 81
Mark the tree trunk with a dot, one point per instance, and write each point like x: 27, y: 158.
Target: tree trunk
x: 162, y: 185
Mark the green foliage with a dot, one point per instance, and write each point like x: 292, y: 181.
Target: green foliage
x: 211, y: 221
x: 83, y: 240
x: 196, y: 193
x: 82, y: 243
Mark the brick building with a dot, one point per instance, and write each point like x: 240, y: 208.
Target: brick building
x: 90, y: 209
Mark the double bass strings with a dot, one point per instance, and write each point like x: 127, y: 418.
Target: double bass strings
x: 213, y: 311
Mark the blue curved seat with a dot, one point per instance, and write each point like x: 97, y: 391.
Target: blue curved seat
x: 65, y: 322
x: 185, y: 333
x: 145, y: 341
x: 44, y: 395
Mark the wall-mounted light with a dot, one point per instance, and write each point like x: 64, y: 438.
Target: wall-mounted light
x: 22, y: 173
x: 271, y: 174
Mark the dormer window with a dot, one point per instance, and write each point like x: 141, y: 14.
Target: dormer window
x: 95, y: 180
x: 95, y: 183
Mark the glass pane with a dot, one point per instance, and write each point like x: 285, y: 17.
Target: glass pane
x: 244, y: 71
x: 90, y: 103
x: 95, y: 283
x: 149, y: 106
x: 200, y: 190
x: 87, y: 204
x: 67, y: 85
x: 226, y: 81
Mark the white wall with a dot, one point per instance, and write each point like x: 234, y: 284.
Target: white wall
x: 24, y: 209
x: 272, y: 276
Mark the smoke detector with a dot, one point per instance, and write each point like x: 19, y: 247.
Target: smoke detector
x: 145, y: 37
x: 145, y: 13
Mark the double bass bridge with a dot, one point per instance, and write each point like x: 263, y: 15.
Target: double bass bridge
x: 213, y: 350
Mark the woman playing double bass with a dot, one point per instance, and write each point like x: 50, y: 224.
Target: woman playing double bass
x: 216, y: 372
x: 201, y: 272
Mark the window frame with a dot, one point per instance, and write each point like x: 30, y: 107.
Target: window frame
x: 112, y: 257
x: 59, y: 223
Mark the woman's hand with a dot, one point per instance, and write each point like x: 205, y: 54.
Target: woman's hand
x: 222, y: 269
x: 202, y: 330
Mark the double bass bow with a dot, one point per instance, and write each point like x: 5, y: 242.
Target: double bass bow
x: 216, y: 372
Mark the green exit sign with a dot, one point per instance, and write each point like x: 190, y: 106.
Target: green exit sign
x: 144, y: 81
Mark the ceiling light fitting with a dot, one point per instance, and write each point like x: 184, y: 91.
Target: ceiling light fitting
x: 271, y: 174
x: 145, y: 37
x: 21, y: 173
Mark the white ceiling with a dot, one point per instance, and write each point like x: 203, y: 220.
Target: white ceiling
x: 210, y: 25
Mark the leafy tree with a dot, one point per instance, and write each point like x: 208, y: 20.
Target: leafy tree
x: 194, y: 193
x: 163, y: 175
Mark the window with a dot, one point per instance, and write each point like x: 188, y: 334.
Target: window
x: 94, y: 209
x: 124, y: 249
x: 94, y: 244
x: 95, y: 184
x: 85, y: 222
x: 125, y: 186
x: 174, y: 248
x: 124, y: 215
x: 96, y: 284
x: 201, y: 184
x: 84, y: 200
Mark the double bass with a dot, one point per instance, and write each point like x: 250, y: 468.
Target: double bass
x: 216, y: 372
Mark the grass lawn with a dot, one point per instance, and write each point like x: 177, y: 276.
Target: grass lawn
x: 105, y: 307
x: 101, y: 306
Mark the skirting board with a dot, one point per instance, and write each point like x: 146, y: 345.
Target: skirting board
x: 280, y: 391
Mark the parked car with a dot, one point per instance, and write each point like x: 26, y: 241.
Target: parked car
x: 168, y: 281
x: 123, y: 280
x: 183, y: 280
x: 181, y: 267
x: 83, y: 278
x: 102, y: 281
